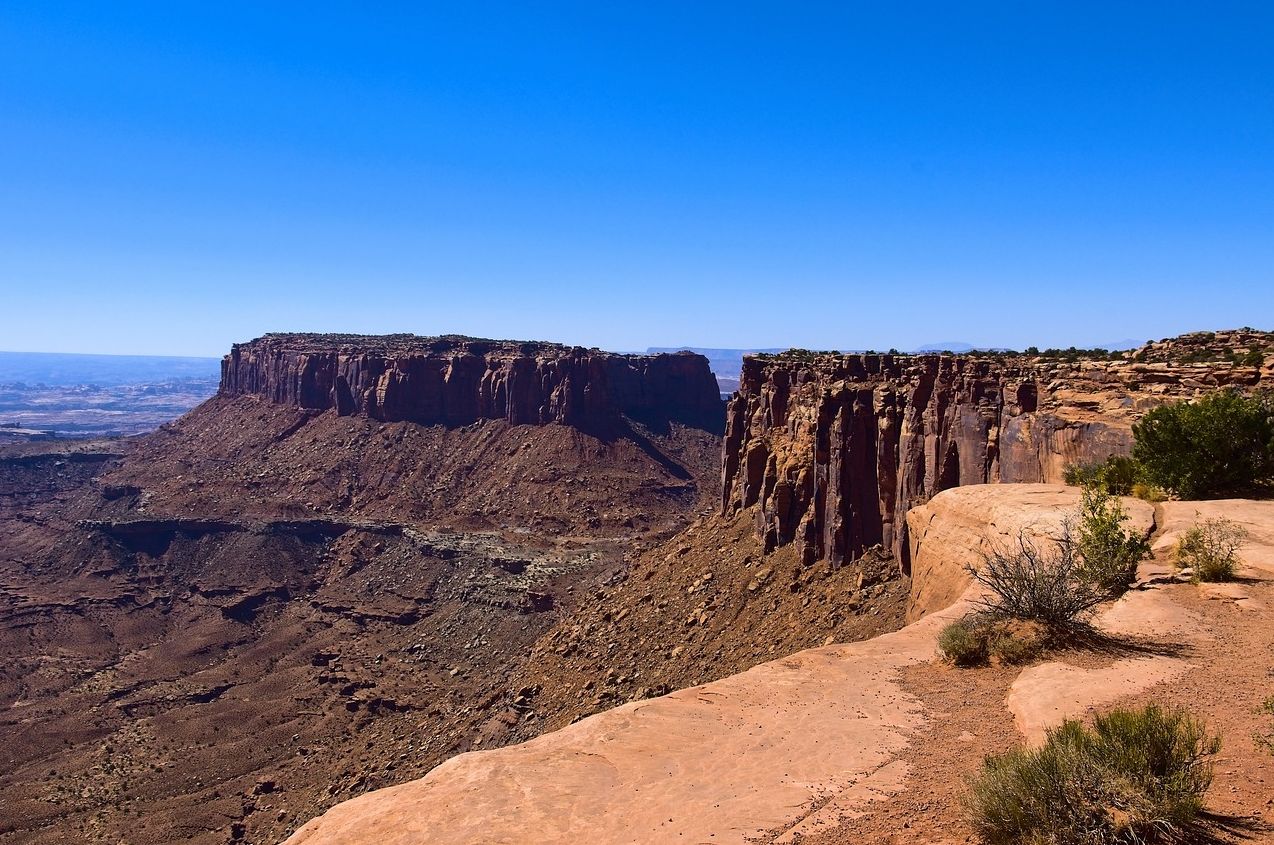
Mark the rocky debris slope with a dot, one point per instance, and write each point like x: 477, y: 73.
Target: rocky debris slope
x: 707, y: 604
x: 457, y: 381
x: 847, y: 743
x: 170, y: 667
x: 832, y: 450
x: 247, y: 458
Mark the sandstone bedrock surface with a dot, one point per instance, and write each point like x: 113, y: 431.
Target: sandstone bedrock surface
x: 456, y: 381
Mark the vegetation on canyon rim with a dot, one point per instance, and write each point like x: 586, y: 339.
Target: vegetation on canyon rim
x: 1210, y: 550
x: 1217, y: 446
x: 1038, y: 590
x: 1265, y: 739
x: 1135, y: 776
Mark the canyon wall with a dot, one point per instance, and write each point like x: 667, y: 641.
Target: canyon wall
x: 833, y: 450
x: 455, y: 381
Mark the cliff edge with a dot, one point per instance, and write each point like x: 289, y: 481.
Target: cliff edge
x: 833, y: 450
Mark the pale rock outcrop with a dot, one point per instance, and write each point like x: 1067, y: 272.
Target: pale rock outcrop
x: 1254, y: 517
x: 1045, y: 694
x: 953, y: 530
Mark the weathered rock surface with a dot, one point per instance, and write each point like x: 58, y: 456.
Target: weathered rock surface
x: 456, y: 381
x: 1255, y: 518
x: 833, y: 450
x: 951, y: 532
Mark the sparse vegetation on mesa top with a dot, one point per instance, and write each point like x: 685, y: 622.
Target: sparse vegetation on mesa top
x: 1210, y: 550
x: 1265, y: 739
x: 1136, y: 776
x: 1038, y: 590
x: 1217, y: 446
x: 982, y: 637
x: 1095, y: 558
x: 1036, y: 581
x: 1117, y: 475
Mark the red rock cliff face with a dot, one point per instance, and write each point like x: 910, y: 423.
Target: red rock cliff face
x: 455, y: 380
x: 832, y: 450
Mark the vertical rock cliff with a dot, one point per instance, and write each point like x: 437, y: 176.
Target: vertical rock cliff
x: 457, y: 380
x: 832, y: 450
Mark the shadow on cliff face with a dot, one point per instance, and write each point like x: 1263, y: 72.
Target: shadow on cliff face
x: 640, y: 431
x: 660, y: 423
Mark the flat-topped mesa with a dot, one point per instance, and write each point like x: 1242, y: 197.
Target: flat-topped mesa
x: 833, y: 450
x: 455, y: 380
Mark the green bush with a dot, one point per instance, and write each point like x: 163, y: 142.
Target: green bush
x: 963, y: 643
x: 1149, y: 492
x: 1030, y: 582
x: 1108, y: 553
x: 1220, y: 445
x: 1266, y: 739
x: 1210, y: 550
x: 1116, y: 475
x: 1011, y: 642
x: 1133, y: 777
x: 980, y: 637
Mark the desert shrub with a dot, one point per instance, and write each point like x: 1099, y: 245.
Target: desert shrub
x: 1108, y: 553
x: 1034, y: 582
x: 1012, y: 641
x: 1133, y: 777
x: 1149, y: 492
x: 963, y: 642
x: 1116, y: 475
x: 1265, y: 739
x: 980, y: 637
x: 1210, y: 549
x: 1083, y: 474
x: 1217, y: 446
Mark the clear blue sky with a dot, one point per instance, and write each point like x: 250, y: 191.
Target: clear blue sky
x: 175, y: 177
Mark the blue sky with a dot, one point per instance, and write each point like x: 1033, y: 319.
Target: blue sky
x: 176, y: 177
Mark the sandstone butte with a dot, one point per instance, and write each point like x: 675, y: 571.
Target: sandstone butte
x: 455, y: 380
x: 810, y: 743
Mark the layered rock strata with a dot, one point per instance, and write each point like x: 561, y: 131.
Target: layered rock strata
x: 832, y: 450
x: 456, y: 381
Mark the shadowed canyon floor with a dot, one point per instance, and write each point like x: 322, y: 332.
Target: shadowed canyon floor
x: 866, y: 742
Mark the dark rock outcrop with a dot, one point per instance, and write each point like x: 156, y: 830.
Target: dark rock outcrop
x: 832, y: 450
x: 455, y: 381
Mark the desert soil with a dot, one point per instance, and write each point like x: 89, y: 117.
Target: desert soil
x: 1228, y: 647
